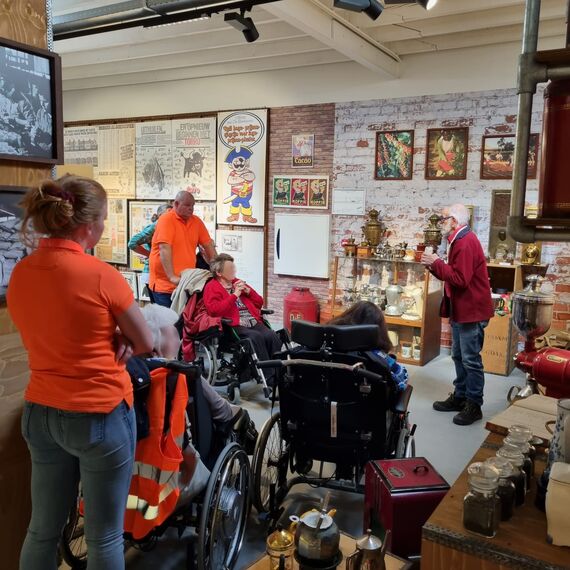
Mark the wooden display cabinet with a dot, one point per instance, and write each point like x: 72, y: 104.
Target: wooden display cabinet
x: 353, y: 272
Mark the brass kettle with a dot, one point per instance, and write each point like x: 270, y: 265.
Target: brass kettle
x: 373, y: 229
x: 369, y: 554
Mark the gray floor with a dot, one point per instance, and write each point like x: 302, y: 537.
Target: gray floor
x: 447, y: 446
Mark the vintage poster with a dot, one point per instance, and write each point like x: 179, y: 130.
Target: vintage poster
x: 303, y: 151
x: 142, y: 283
x: 248, y: 250
x: 131, y: 279
x: 112, y: 246
x: 80, y: 146
x: 281, y: 191
x: 242, y: 150
x: 154, y: 160
x: 206, y: 211
x: 141, y: 214
x: 290, y: 191
x: 194, y: 157
x: 116, y: 160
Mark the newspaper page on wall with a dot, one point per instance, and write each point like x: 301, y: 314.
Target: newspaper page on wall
x: 141, y: 214
x: 206, y: 211
x: 242, y: 150
x: 154, y: 160
x: 80, y: 146
x: 194, y: 156
x: 116, y: 163
x: 112, y: 246
x: 248, y: 250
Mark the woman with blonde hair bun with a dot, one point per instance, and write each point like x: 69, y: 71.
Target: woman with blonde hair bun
x: 79, y: 323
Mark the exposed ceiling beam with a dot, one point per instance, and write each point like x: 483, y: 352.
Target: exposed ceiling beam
x: 311, y: 19
x: 460, y: 23
x: 213, y: 38
x: 212, y: 56
x: 210, y: 70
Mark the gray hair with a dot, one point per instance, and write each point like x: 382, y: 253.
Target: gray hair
x: 158, y: 317
x: 163, y: 208
x: 460, y: 213
x: 217, y: 264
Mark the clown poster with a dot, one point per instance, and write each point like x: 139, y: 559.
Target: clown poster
x: 290, y: 191
x: 194, y: 156
x: 242, y: 151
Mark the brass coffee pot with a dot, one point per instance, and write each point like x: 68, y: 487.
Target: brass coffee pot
x: 370, y: 553
x: 432, y: 234
x: 373, y: 229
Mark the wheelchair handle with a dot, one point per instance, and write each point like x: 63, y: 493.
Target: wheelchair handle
x: 369, y: 375
x: 357, y: 368
x: 270, y: 363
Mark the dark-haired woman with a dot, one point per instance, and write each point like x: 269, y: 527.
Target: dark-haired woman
x: 367, y: 313
x: 79, y: 323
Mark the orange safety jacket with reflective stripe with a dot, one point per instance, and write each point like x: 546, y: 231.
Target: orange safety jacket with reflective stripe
x: 154, y: 487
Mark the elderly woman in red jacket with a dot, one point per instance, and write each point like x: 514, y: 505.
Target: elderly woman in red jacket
x: 228, y: 297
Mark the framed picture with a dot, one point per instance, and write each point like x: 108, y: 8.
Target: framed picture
x: 141, y: 214
x: 131, y: 278
x: 11, y: 247
x: 497, y: 157
x: 303, y: 151
x: 112, y: 246
x: 31, y: 120
x: 446, y: 154
x: 290, y: 191
x: 142, y: 282
x: 394, y: 155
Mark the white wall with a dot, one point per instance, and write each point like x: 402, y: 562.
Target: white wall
x: 453, y: 71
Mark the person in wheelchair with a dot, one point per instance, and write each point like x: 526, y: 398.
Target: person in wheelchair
x: 367, y: 313
x: 161, y: 322
x: 228, y: 297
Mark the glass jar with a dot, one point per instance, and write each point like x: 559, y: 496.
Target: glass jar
x: 506, y: 490
x: 280, y: 548
x: 524, y: 433
x: 524, y: 448
x: 516, y: 459
x: 481, y: 506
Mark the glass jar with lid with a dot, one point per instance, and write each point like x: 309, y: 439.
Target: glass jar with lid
x: 524, y: 433
x: 506, y: 490
x: 524, y: 448
x: 516, y: 459
x: 481, y: 505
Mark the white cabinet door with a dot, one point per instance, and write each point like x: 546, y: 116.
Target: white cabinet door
x: 302, y: 243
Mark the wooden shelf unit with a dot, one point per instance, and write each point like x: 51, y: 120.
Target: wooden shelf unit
x: 428, y: 328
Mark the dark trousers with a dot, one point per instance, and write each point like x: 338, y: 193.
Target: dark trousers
x: 466, y: 354
x: 161, y: 298
x: 265, y: 343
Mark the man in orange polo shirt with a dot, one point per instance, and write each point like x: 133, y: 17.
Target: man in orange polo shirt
x: 178, y: 233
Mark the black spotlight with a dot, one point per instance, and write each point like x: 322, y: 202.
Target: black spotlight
x: 244, y: 24
x: 372, y: 8
x: 427, y: 4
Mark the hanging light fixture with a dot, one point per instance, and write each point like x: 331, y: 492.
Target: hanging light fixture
x: 372, y: 8
x: 427, y: 4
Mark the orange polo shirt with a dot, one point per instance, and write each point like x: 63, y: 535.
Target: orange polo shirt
x: 64, y: 303
x: 183, y: 237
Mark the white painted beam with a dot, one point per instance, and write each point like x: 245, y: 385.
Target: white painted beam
x: 306, y: 16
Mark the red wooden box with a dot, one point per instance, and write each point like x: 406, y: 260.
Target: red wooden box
x: 400, y: 495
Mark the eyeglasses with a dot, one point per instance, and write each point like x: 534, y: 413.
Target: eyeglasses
x: 444, y: 218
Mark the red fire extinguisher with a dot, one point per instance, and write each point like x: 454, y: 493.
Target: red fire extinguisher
x: 300, y: 303
x: 554, y: 188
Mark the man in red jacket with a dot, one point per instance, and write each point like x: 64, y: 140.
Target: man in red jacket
x: 467, y: 303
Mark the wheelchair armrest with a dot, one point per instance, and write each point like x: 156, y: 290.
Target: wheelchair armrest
x: 401, y: 404
x: 226, y: 321
x: 265, y: 311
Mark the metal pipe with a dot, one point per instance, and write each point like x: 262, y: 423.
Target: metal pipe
x: 568, y: 26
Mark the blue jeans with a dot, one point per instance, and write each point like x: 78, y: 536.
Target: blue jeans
x: 67, y: 447
x: 466, y: 354
x: 163, y: 299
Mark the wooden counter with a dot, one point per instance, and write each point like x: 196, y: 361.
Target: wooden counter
x: 520, y: 543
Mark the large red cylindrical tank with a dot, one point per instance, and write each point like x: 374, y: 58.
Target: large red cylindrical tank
x: 300, y: 303
x: 554, y: 187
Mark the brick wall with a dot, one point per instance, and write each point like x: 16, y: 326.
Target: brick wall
x: 283, y: 123
x: 405, y: 205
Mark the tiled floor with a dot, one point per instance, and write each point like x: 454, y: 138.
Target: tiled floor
x: 447, y: 446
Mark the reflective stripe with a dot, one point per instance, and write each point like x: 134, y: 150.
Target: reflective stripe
x: 150, y: 512
x: 153, y: 473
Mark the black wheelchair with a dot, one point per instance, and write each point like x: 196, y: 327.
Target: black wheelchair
x: 229, y: 360
x: 219, y: 513
x: 336, y: 407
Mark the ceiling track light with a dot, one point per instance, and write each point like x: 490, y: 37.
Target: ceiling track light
x: 425, y: 4
x: 372, y: 8
x: 243, y: 24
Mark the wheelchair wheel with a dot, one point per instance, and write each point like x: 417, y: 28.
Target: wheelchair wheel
x: 270, y: 463
x: 206, y: 355
x: 406, y: 443
x: 224, y: 511
x: 73, y: 546
x: 234, y: 394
